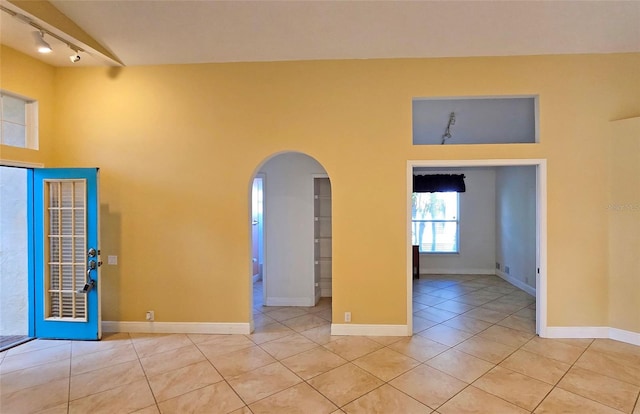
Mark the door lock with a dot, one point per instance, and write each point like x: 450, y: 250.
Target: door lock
x: 93, y: 252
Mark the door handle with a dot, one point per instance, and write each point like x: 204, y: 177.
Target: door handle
x: 87, y: 286
x: 90, y: 282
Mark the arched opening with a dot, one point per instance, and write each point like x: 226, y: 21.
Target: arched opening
x: 291, y: 240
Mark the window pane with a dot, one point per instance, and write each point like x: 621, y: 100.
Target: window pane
x: 435, y: 206
x: 435, y: 222
x: 13, y: 109
x: 14, y: 135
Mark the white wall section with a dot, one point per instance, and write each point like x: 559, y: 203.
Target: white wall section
x: 516, y: 223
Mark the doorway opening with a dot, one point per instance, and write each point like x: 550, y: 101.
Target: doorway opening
x: 257, y: 238
x: 14, y: 257
x: 295, y: 206
x: 491, y: 285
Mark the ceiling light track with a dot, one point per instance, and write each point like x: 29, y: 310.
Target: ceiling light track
x: 25, y: 19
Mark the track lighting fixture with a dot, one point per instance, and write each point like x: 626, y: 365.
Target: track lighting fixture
x: 41, y: 44
x: 38, y: 35
x: 75, y: 57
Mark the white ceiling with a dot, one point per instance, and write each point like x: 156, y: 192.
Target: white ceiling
x: 180, y: 31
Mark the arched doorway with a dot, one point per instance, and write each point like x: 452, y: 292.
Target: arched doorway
x: 295, y: 267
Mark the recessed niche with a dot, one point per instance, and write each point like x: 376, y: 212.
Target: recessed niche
x: 475, y: 120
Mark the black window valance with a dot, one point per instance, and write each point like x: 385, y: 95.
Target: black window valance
x: 438, y: 183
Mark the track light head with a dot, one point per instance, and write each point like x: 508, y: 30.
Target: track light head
x: 43, y: 47
x: 75, y: 57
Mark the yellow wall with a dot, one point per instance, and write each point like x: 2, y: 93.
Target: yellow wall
x: 33, y: 79
x: 624, y: 225
x: 178, y: 146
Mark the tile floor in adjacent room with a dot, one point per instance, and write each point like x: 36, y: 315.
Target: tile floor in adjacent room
x: 474, y: 351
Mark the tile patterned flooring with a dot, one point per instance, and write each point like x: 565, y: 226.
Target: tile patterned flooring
x: 474, y: 351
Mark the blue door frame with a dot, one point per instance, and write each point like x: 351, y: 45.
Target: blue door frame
x: 41, y: 324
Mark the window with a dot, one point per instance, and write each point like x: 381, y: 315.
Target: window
x: 18, y: 121
x: 435, y: 222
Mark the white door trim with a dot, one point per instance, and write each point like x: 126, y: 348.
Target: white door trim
x: 541, y: 227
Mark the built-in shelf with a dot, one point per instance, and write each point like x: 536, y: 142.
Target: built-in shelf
x: 322, y: 235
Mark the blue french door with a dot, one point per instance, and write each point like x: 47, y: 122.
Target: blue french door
x: 64, y: 255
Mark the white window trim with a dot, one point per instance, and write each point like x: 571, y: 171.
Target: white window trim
x: 31, y: 119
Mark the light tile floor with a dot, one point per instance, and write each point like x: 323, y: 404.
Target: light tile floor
x: 474, y: 351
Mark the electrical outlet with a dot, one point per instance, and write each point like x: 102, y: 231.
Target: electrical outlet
x: 112, y: 260
x: 497, y: 265
x: 347, y: 316
x: 506, y: 269
x: 150, y: 316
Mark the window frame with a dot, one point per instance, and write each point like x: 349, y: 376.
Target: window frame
x: 456, y: 221
x: 30, y: 122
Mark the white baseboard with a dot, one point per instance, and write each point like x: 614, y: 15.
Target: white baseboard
x: 625, y: 336
x: 593, y: 332
x: 177, y: 327
x: 432, y: 271
x: 577, y: 332
x: 300, y: 301
x: 353, y: 329
x: 369, y: 329
x: 516, y: 282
